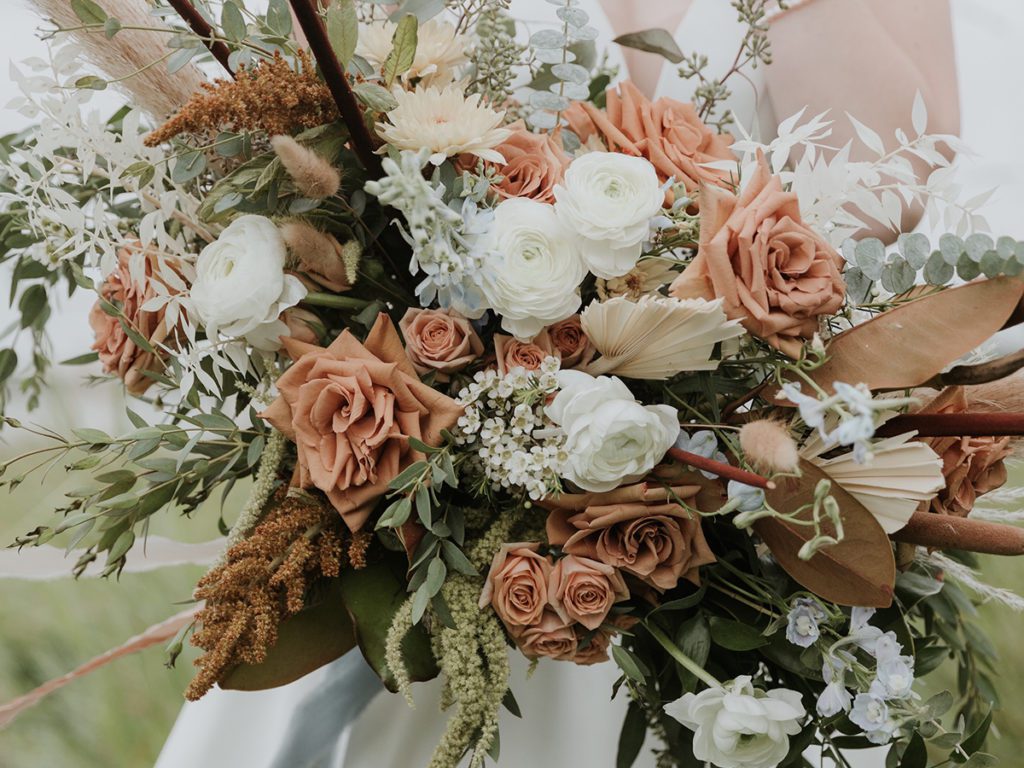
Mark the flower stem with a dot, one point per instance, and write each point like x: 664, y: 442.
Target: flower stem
x: 318, y: 299
x: 722, y: 469
x: 199, y: 25
x: 681, y: 658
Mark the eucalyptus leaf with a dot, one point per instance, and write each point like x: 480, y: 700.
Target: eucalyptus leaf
x: 951, y: 247
x: 914, y: 247
x: 938, y: 271
x: 858, y: 285
x: 991, y: 263
x: 343, y: 30
x: 88, y: 12
x: 232, y: 21
x: 967, y: 268
x: 898, y: 276
x: 869, y: 254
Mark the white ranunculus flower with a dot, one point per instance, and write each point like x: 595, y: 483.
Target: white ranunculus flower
x: 738, y: 725
x: 534, y: 267
x: 609, y: 199
x: 611, y: 438
x: 240, y: 288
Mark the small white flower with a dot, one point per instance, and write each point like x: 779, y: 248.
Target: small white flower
x: 611, y: 438
x: 871, y: 714
x: 738, y: 725
x: 833, y: 699
x: 535, y: 269
x: 747, y: 497
x: 885, y: 647
x: 896, y: 676
x: 240, y: 288
x: 802, y: 622
x: 608, y: 199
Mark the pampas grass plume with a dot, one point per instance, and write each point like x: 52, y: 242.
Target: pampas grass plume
x: 314, y: 177
x: 769, y: 446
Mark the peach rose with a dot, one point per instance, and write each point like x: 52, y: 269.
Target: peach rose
x: 772, y: 271
x: 517, y: 585
x: 972, y: 466
x: 584, y: 590
x: 302, y: 324
x: 572, y: 344
x: 593, y: 646
x: 550, y: 638
x: 512, y: 353
x: 641, y: 531
x: 117, y: 352
x: 534, y: 164
x: 666, y: 132
x: 351, y: 409
x: 439, y: 340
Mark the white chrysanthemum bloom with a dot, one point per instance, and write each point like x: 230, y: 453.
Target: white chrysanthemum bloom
x: 609, y: 199
x: 440, y: 51
x: 240, y: 289
x: 740, y: 726
x: 611, y: 438
x: 535, y: 268
x: 446, y: 122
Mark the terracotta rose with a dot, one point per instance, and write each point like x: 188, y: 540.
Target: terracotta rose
x: 771, y: 270
x: 439, y: 340
x: 584, y: 590
x: 517, y: 585
x: 512, y: 353
x: 534, y: 164
x: 666, y: 132
x: 573, y: 345
x: 351, y: 409
x: 638, y: 529
x: 972, y: 466
x: 551, y: 638
x: 117, y: 352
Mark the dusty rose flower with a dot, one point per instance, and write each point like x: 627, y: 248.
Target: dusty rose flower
x: 593, y: 646
x: 652, y: 538
x: 512, y: 353
x: 351, y: 409
x: 302, y: 324
x: 534, y: 164
x: 517, y: 585
x: 584, y: 590
x: 117, y: 352
x: 666, y: 132
x: 573, y: 346
x: 439, y: 340
x: 550, y: 638
x: 972, y: 466
x: 771, y: 270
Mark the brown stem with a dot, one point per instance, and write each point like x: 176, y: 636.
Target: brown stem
x: 928, y: 529
x: 954, y: 425
x: 199, y: 25
x: 337, y: 83
x: 720, y: 468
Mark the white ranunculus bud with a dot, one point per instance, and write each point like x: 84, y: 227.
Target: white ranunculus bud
x: 740, y: 726
x: 240, y: 288
x: 609, y: 199
x: 535, y: 268
x: 611, y: 438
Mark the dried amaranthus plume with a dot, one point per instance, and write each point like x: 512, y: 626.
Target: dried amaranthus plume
x: 317, y: 253
x: 769, y: 446
x: 314, y: 177
x: 157, y: 91
x: 263, y: 580
x: 271, y: 97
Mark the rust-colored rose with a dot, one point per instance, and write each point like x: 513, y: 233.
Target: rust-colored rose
x: 636, y: 529
x: 351, y: 409
x: 573, y: 345
x: 534, y: 164
x: 584, y: 590
x: 667, y: 132
x: 132, y: 283
x: 550, y: 638
x: 517, y: 585
x: 972, y: 466
x: 512, y: 353
x: 439, y: 340
x: 771, y: 270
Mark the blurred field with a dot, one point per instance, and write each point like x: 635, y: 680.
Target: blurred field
x: 120, y: 716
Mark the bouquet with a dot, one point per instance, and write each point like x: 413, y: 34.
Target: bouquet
x: 511, y: 359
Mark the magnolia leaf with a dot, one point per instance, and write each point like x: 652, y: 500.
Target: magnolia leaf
x: 659, y: 41
x: 860, y: 570
x: 305, y: 642
x: 907, y: 346
x: 372, y: 597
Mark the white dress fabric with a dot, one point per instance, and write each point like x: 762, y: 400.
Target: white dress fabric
x: 569, y: 716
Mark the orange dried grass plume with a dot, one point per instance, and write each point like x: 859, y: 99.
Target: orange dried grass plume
x: 270, y: 97
x: 264, y: 579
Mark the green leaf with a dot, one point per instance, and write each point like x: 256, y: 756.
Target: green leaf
x: 437, y: 572
x: 315, y: 636
x: 408, y: 475
x: 397, y: 514
x: 88, y: 12
x: 111, y: 27
x: 735, y: 635
x: 372, y: 596
x: 122, y: 544
x: 981, y: 760
x: 93, y: 436
x: 279, y: 17
x: 403, y: 49
x: 232, y: 21
x: 343, y: 30
x: 937, y: 705
x: 938, y: 271
x: 8, y: 363
x: 375, y: 97
x: 858, y: 285
x: 423, y: 508
x: 631, y: 737
x: 31, y: 304
x: 967, y: 268
x: 633, y: 668
x: 188, y: 166
x: 509, y: 702
x: 456, y: 559
x: 89, y: 357
x: 898, y: 276
x: 694, y: 640
x: 976, y: 740
x: 951, y: 246
x: 915, y: 248
x: 659, y: 41
x: 916, y: 754
x: 869, y: 254
x: 992, y: 263
x: 92, y: 82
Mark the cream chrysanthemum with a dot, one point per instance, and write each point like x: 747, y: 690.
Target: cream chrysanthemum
x: 440, y: 51
x: 446, y: 122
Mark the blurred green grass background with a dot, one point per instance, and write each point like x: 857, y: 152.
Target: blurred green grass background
x: 119, y: 716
